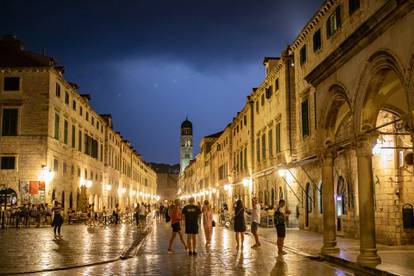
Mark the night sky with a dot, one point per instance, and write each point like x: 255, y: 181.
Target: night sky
x: 151, y: 63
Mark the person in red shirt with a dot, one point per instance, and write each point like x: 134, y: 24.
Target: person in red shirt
x: 175, y: 214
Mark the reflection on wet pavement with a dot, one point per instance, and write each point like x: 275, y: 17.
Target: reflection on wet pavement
x: 220, y: 258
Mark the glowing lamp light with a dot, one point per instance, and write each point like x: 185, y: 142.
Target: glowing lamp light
x: 214, y: 190
x: 133, y: 192
x: 123, y: 190
x: 88, y: 184
x: 108, y: 187
x: 282, y: 172
x: 46, y: 174
x: 227, y: 187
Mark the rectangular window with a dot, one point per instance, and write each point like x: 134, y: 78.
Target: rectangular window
x: 277, y: 84
x: 257, y: 106
x: 263, y: 99
x: 241, y: 160
x: 73, y: 136
x: 57, y: 90
x: 8, y: 162
x: 57, y: 125
x: 66, y: 97
x: 353, y: 6
x: 74, y: 105
x: 258, y: 150
x: 81, y: 110
x: 317, y: 40
x: 263, y: 146
x: 80, y: 140
x: 269, y: 91
x: 305, y: 118
x: 278, y: 142
x: 245, y: 159
x: 55, y: 165
x: 87, y: 116
x: 64, y: 168
x: 11, y: 84
x: 65, y: 132
x: 334, y: 22
x: 245, y: 120
x: 303, y: 55
x: 9, y: 122
x: 93, y: 121
x: 270, y: 141
x: 97, y: 125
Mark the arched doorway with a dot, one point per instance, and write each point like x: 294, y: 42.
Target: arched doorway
x: 308, y: 203
x: 71, y: 201
x: 63, y: 198
x: 340, y: 202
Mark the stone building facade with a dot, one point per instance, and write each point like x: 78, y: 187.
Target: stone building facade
x: 54, y: 146
x: 167, y: 180
x: 336, y: 139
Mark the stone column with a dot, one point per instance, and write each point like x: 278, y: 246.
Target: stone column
x: 329, y: 226
x: 368, y: 251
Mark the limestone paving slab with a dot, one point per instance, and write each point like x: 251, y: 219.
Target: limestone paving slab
x: 220, y: 258
x: 35, y: 249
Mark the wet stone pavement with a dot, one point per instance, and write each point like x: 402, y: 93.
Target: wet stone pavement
x: 36, y: 249
x: 82, y: 246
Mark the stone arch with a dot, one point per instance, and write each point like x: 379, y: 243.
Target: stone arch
x: 338, y: 108
x: 378, y: 89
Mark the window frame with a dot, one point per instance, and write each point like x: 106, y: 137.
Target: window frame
x: 17, y: 130
x: 8, y: 156
x: 307, y: 134
x: 12, y: 90
x: 317, y: 34
x: 303, y: 55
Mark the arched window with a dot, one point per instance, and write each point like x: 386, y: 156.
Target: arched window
x: 308, y: 198
x: 341, y: 196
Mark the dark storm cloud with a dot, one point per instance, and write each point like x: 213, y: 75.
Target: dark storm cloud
x: 156, y: 61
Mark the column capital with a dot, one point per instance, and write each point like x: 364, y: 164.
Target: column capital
x: 365, y: 143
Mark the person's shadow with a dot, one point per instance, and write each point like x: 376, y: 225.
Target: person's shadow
x: 280, y: 268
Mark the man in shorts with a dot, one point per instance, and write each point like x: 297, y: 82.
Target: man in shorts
x: 191, y: 214
x: 255, y: 213
x: 174, y: 212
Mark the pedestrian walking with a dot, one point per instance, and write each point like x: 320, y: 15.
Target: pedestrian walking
x: 142, y: 214
x: 175, y: 215
x: 115, y: 213
x: 57, y: 219
x: 191, y: 214
x: 280, y: 216
x: 239, y: 223
x: 255, y: 221
x: 136, y: 214
x: 207, y: 221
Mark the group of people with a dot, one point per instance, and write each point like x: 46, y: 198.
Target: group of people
x: 22, y: 214
x: 191, y: 215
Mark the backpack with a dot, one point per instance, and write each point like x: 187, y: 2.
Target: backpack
x: 167, y: 217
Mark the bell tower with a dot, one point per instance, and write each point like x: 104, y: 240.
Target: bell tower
x: 186, y: 144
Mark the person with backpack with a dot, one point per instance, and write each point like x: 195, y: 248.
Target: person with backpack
x: 175, y: 215
x: 239, y: 223
x: 280, y: 216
